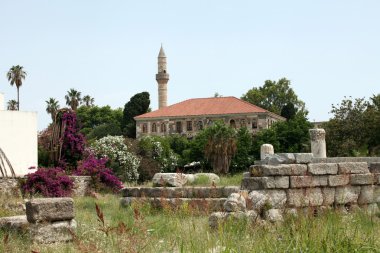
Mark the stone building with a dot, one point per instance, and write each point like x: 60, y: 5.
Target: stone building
x: 192, y: 115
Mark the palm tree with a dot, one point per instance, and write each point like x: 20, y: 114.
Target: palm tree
x: 73, y: 98
x: 220, y: 147
x: 15, y: 76
x: 52, y: 107
x: 88, y: 101
x: 12, y: 105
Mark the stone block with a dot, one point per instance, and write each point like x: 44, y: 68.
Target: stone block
x: 328, y: 196
x: 265, y: 150
x: 376, y: 194
x: 279, y: 158
x: 303, y: 158
x: 217, y: 219
x: 278, y: 170
x: 374, y: 167
x: 267, y: 198
x: 307, y: 181
x: 260, y: 183
x: 372, y: 209
x: 212, y: 177
x: 49, y: 209
x: 234, y: 203
x: 58, y: 231
x: 246, y: 174
x: 323, y: 168
x: 353, y: 168
x: 339, y: 180
x: 366, y: 195
x: 227, y: 190
x: 347, y: 194
x: 304, y: 197
x: 82, y: 185
x: 362, y: 179
x: 273, y: 215
x: 16, y: 223
x: 169, y: 179
x: 377, y: 178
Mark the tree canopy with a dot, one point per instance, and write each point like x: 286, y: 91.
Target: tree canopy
x: 274, y: 96
x: 15, y: 76
x: 138, y: 104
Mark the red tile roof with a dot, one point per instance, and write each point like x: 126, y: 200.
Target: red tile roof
x: 205, y: 106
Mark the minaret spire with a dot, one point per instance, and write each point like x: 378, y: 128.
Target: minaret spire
x: 162, y: 78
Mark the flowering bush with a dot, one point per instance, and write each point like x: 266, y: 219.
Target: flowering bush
x: 49, y: 182
x: 159, y: 149
x: 73, y: 142
x: 122, y: 161
x: 103, y: 178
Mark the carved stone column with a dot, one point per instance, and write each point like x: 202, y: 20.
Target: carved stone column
x: 318, y: 142
x: 266, y: 149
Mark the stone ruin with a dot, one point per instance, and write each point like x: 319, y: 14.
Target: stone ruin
x: 290, y: 183
x: 47, y: 220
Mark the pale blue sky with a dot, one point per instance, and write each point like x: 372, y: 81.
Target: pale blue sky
x: 108, y: 49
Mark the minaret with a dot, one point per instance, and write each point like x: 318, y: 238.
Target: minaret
x: 162, y: 78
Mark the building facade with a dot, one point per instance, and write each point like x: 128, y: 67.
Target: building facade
x: 190, y: 116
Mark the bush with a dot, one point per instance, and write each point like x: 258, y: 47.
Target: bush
x: 49, y: 182
x: 103, y: 178
x: 123, y: 162
x: 158, y: 148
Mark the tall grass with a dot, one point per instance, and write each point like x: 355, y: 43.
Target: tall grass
x: 142, y: 229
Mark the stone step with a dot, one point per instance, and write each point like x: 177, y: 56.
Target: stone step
x: 206, y: 205
x: 179, y: 192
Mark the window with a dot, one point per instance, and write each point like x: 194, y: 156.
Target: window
x: 242, y: 123
x: 200, y: 125
x: 189, y: 126
x: 179, y: 127
x: 254, y: 124
x: 163, y: 128
x: 154, y: 128
x: 144, y: 128
x: 232, y: 123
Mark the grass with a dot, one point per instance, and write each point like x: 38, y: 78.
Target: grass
x: 143, y: 229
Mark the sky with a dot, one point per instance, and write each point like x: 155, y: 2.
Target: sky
x: 108, y: 49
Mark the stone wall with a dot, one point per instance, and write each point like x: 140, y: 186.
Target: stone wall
x: 300, y: 185
x: 9, y: 187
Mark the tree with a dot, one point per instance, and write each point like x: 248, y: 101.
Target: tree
x: 288, y: 111
x: 354, y: 129
x: 137, y: 105
x: 220, y: 147
x: 73, y: 99
x: 243, y: 158
x: 106, y: 118
x: 12, y: 105
x: 15, y: 76
x: 52, y: 107
x: 88, y: 101
x: 291, y: 136
x: 273, y: 96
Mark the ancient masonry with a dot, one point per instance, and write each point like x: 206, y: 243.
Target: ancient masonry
x: 48, y: 220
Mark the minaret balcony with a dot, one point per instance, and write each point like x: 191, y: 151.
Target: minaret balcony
x: 162, y: 76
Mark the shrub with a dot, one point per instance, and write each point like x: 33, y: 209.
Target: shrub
x: 49, y: 182
x: 158, y: 148
x: 103, y: 178
x: 123, y: 162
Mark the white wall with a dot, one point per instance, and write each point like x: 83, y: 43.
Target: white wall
x: 18, y: 139
x: 2, y: 102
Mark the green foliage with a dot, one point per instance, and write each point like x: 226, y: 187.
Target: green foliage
x: 220, y: 147
x: 91, y: 117
x: 286, y: 136
x: 137, y: 105
x: 273, y: 96
x: 354, y: 130
x: 288, y: 111
x: 243, y: 158
x: 104, y: 130
x: 158, y: 148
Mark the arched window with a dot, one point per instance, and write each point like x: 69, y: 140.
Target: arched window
x: 154, y: 128
x: 163, y: 128
x: 144, y: 128
x: 254, y: 124
x: 200, y: 125
x: 232, y: 123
